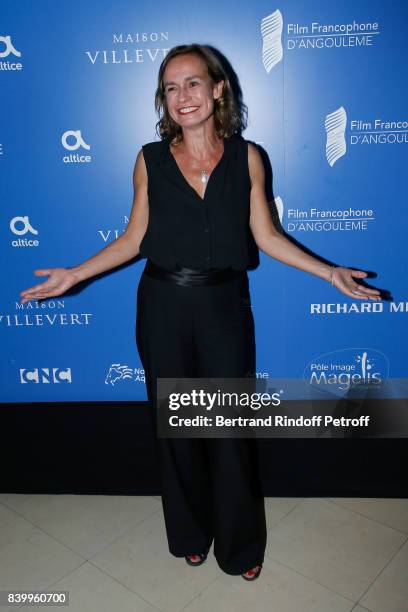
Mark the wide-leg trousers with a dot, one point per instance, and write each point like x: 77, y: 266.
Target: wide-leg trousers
x: 210, y: 487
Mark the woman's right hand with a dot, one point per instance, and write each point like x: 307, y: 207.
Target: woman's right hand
x: 59, y: 281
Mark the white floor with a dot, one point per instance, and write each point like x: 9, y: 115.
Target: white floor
x: 111, y: 554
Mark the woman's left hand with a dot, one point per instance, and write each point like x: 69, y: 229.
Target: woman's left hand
x: 343, y: 279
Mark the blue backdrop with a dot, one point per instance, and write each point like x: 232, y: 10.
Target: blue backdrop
x: 326, y: 92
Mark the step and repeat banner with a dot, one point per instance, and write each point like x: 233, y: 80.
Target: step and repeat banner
x: 325, y: 86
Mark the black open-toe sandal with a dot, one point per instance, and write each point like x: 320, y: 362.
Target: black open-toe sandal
x: 197, y: 559
x: 253, y: 573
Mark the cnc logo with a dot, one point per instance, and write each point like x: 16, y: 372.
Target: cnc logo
x: 21, y: 226
x: 7, y: 48
x: 346, y: 369
x: 72, y: 140
x: 123, y: 373
x: 45, y: 375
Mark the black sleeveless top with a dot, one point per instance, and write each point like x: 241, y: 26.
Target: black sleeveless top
x: 202, y: 233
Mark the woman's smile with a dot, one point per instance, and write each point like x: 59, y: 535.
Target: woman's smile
x: 185, y: 110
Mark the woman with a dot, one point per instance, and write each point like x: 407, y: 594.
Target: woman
x: 199, y: 201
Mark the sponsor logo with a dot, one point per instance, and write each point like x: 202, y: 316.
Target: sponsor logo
x: 278, y: 35
x: 44, y: 313
x: 322, y: 220
x: 7, y: 48
x: 335, y: 125
x: 119, y: 373
x: 378, y: 131
x: 21, y: 226
x: 136, y: 48
x: 271, y: 30
x: 45, y: 376
x: 358, y: 307
x: 276, y: 208
x: 347, y: 368
x: 72, y: 140
x: 316, y: 35
x: 360, y: 132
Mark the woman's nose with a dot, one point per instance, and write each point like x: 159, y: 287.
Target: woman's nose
x: 183, y: 94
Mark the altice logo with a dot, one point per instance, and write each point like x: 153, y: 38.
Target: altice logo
x: 271, y: 30
x: 74, y: 145
x: 20, y: 226
x: 335, y: 125
x: 9, y: 49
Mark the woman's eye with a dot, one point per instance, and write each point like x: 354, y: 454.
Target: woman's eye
x: 169, y: 89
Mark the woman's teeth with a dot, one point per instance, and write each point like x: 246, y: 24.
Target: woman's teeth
x: 188, y: 109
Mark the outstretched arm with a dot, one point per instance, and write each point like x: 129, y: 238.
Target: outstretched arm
x: 120, y: 250
x: 126, y: 246
x: 271, y: 242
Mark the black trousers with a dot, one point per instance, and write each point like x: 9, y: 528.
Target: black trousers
x: 210, y: 487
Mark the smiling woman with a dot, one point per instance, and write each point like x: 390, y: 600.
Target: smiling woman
x: 199, y: 212
x: 229, y: 115
x: 193, y: 86
x: 193, y: 310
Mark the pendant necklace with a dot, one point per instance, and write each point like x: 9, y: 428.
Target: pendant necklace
x: 204, y: 176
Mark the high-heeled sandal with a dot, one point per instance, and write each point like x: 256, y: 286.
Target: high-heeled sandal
x: 253, y: 573
x: 197, y: 559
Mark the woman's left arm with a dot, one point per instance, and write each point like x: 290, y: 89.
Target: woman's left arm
x: 274, y: 244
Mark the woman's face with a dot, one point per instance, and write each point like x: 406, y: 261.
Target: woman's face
x: 189, y: 90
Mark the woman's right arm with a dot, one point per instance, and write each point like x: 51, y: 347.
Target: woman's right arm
x: 119, y: 251
x: 125, y: 247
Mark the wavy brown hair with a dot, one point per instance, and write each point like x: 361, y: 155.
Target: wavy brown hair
x: 230, y: 114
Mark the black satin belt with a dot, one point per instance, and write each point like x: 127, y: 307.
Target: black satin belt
x: 190, y: 277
